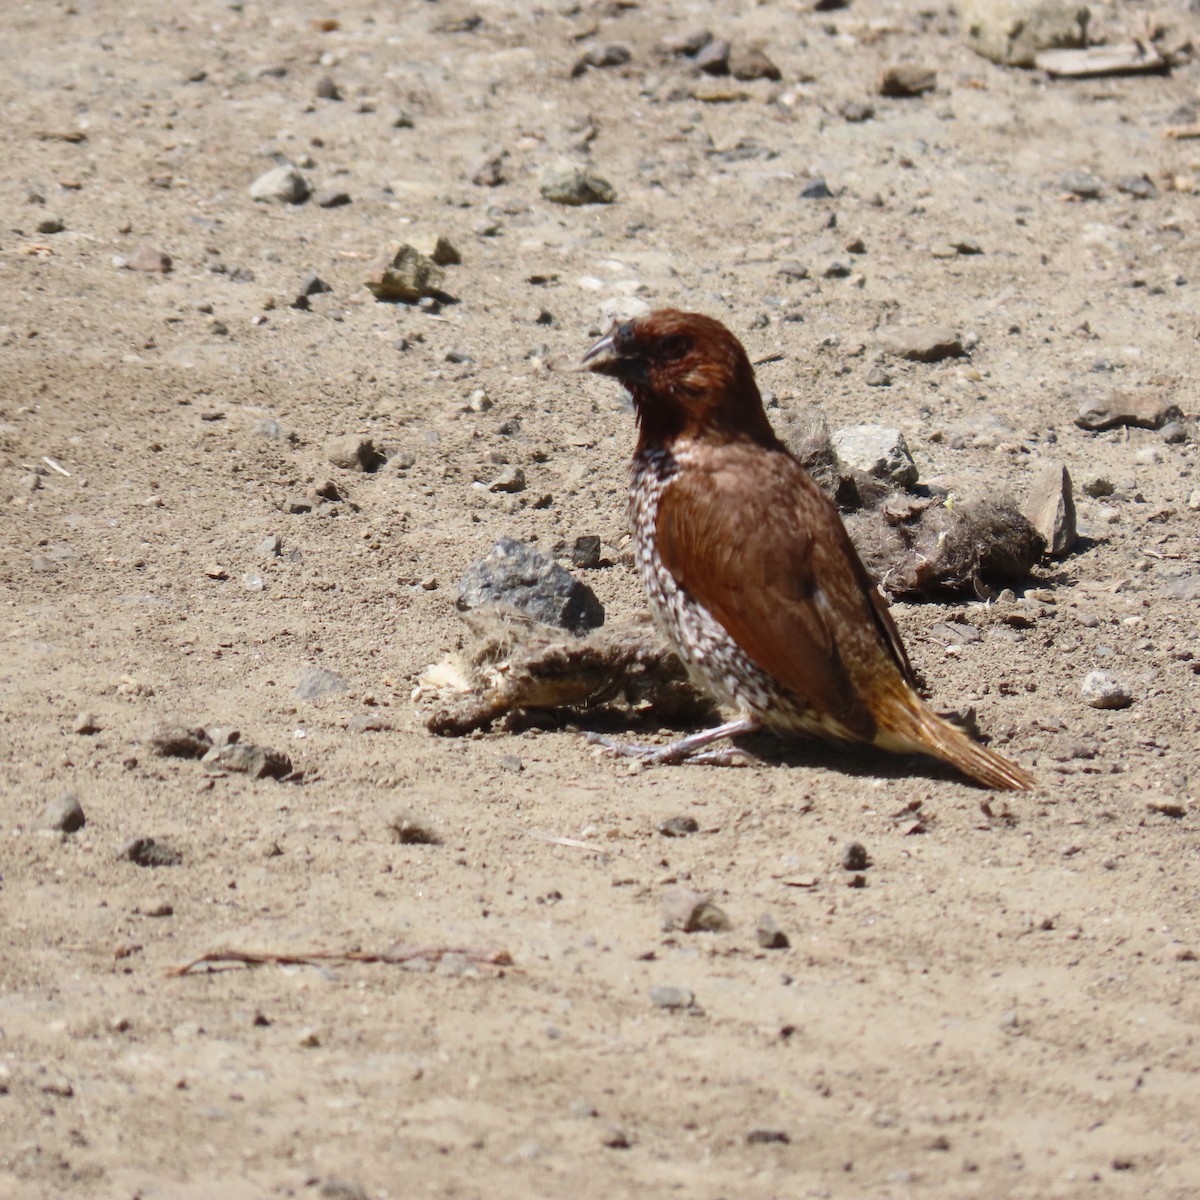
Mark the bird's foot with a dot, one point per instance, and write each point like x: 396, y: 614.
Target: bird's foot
x: 691, y: 749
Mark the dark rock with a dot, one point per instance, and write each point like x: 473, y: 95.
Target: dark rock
x: 333, y: 198
x: 686, y: 44
x: 855, y: 857
x: 713, y: 57
x: 1082, y: 185
x: 411, y: 830
x: 259, y: 762
x: 514, y: 574
x: 64, y: 814
x: 178, y: 741
x: 327, y: 89
x: 585, y: 551
x: 748, y: 63
x: 678, y: 826
x: 768, y: 934
x: 907, y: 79
x: 815, y: 189
x: 763, y: 1137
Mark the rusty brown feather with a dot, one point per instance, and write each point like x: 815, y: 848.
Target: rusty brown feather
x: 748, y: 568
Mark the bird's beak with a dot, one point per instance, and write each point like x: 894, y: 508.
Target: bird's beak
x: 604, y: 359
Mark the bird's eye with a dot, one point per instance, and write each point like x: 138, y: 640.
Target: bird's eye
x: 674, y: 347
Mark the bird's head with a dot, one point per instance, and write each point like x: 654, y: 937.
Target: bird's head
x: 688, y: 375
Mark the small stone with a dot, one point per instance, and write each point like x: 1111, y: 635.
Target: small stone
x: 150, y: 260
x: 318, y: 682
x: 855, y: 857
x: 1102, y: 690
x: 585, y: 551
x: 878, y: 451
x: 672, y: 997
x: 64, y: 814
x: 748, y: 63
x: 511, y: 479
x: 615, y: 1138
x: 327, y: 89
x: 768, y: 934
x: 149, y: 852
x: 1082, y: 185
x: 907, y: 79
x: 1098, y: 486
x: 1194, y: 500
x: 333, y: 198
x: 178, y: 741
x: 281, y: 185
x: 1050, y: 507
x: 566, y: 183
x: 438, y: 248
x: 1013, y: 32
x: 515, y: 574
x: 408, y: 829
x: 1148, y: 456
x: 922, y: 343
x: 259, y: 762
x: 685, y: 45
x: 1175, y: 433
x: 879, y: 376
x: 600, y: 57
x: 479, y: 401
x: 410, y: 276
x: 678, y: 826
x: 692, y: 912
x: 855, y: 111
x: 815, y: 189
x: 1142, y: 411
x: 355, y: 453
x: 335, y: 1188
x: 161, y: 909
x: 713, y: 57
x: 51, y: 225
x: 1140, y: 187
x: 86, y: 722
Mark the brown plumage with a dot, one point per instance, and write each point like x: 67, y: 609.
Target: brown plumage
x: 749, y: 571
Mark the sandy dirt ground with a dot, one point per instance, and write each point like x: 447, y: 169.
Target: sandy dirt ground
x: 1004, y: 1003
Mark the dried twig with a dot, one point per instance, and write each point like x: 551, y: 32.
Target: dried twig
x: 398, y: 953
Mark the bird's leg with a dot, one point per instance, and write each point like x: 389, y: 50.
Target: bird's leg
x: 685, y: 749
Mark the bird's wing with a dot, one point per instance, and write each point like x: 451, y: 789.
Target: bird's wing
x: 754, y: 541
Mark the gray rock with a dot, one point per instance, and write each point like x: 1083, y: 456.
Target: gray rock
x: 1145, y: 411
x: 318, y: 682
x: 566, y: 183
x: 713, y: 57
x: 1082, y: 185
x: 281, y: 185
x: 878, y: 451
x: 922, y: 343
x: 1102, y: 690
x: 327, y: 88
x: 64, y: 814
x: 171, y: 740
x: 815, y: 189
x: 1050, y: 507
x: 672, y: 997
x: 489, y: 171
x: 333, y: 198
x: 687, y: 44
x: 692, y: 912
x: 1140, y: 187
x: 748, y: 63
x: 512, y: 573
x: 678, y: 826
x: 259, y: 762
x: 150, y: 260
x: 1175, y: 433
x: 149, y: 852
x: 585, y: 552
x: 1012, y: 32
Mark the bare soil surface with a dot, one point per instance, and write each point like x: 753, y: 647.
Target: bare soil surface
x: 1004, y: 1003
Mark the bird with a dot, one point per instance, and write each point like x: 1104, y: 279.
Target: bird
x: 750, y: 574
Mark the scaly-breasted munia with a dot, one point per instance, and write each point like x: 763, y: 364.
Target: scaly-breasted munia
x: 749, y: 571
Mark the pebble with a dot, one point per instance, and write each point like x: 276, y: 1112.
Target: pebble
x: 1102, y: 690
x: 332, y: 198
x: 748, y: 63
x: 1098, y: 486
x: 672, y: 997
x: 489, y: 171
x: 327, y: 89
x: 149, y: 852
x: 317, y: 682
x: 259, y: 762
x: 692, y: 912
x: 354, y: 453
x: 585, y: 551
x: 1050, y: 508
x: 438, y: 248
x: 764, y: 1137
x: 336, y: 1188
x: 86, y: 722
x: 281, y: 185
x: 566, y: 183
x: 878, y: 451
x: 1140, y: 187
x: 922, y: 343
x: 1142, y: 411
x: 599, y: 57
x: 879, y: 376
x: 855, y: 111
x: 816, y: 189
x: 51, y: 225
x: 678, y: 826
x: 409, y: 277
x: 1082, y: 185
x: 1013, y: 32
x: 409, y: 829
x: 713, y: 57
x: 768, y: 934
x: 615, y: 1138
x: 907, y: 79
x: 1148, y: 456
x: 687, y: 44
x: 511, y: 479
x: 515, y: 574
x: 1175, y: 433
x: 1194, y: 500
x: 63, y: 813
x: 855, y: 857
x: 150, y: 260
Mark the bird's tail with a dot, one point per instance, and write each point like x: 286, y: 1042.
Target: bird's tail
x: 913, y: 726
